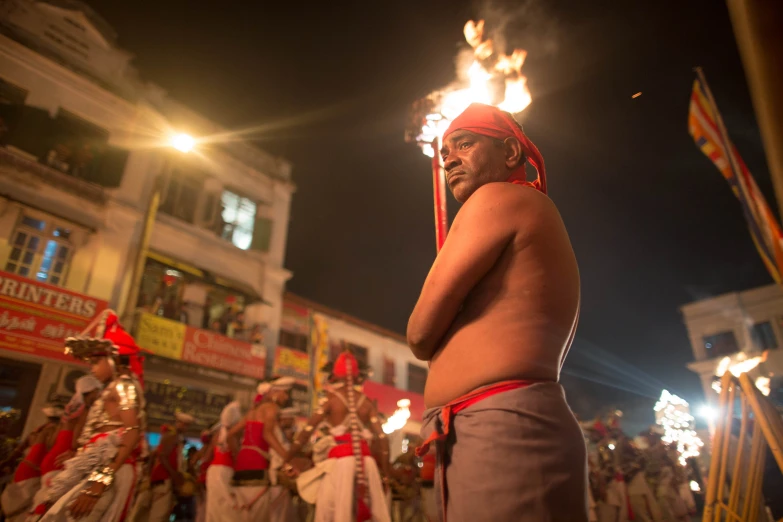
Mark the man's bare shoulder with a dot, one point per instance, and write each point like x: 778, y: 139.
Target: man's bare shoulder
x: 507, y: 200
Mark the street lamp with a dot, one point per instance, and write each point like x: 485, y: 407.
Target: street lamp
x: 183, y: 143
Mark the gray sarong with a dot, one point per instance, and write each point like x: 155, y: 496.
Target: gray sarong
x: 518, y: 455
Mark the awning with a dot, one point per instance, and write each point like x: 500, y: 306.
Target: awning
x: 387, y: 397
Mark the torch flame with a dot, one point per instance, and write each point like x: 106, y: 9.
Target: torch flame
x: 493, y: 79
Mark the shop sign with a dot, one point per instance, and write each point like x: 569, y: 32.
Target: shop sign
x: 179, y: 341
x: 165, y: 399
x: 160, y: 336
x: 214, y: 350
x: 36, y: 317
x: 291, y: 363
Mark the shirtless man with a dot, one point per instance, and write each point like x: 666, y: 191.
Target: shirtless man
x: 352, y: 483
x: 254, y: 490
x: 98, y: 483
x: 496, y: 317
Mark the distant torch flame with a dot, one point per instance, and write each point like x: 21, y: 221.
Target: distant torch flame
x: 493, y: 78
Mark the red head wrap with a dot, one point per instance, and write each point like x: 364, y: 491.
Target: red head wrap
x: 340, y: 370
x: 490, y: 121
x: 126, y: 345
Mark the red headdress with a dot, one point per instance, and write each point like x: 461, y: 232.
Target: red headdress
x: 111, y: 341
x: 490, y: 121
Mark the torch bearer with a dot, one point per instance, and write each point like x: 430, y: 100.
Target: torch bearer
x: 493, y: 78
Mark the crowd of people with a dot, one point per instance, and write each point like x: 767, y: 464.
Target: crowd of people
x: 640, y: 479
x: 91, y: 459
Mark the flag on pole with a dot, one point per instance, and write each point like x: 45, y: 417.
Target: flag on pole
x: 706, y: 126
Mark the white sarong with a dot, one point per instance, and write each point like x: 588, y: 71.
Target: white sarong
x: 220, y: 495
x: 114, y: 502
x: 17, y: 498
x: 161, y: 501
x: 335, y: 502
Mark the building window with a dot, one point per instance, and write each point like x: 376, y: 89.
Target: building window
x: 182, y: 195
x: 40, y: 249
x: 720, y: 344
x: 293, y: 340
x: 360, y: 352
x: 389, y: 371
x: 764, y: 336
x: 417, y: 378
x: 239, y: 216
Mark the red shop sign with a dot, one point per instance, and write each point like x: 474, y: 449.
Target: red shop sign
x: 35, y: 317
x: 216, y: 351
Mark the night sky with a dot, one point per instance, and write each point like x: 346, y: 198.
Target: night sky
x: 653, y: 223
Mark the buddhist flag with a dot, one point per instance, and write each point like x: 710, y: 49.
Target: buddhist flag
x: 706, y: 126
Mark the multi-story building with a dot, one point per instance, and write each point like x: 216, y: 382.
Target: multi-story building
x: 312, y: 334
x: 730, y: 329
x: 85, y: 153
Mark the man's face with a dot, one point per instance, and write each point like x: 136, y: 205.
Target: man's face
x: 472, y: 160
x: 101, y: 368
x: 281, y: 397
x: 90, y: 397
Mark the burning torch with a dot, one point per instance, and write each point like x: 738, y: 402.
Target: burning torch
x: 492, y: 78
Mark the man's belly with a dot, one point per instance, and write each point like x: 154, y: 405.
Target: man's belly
x: 471, y: 359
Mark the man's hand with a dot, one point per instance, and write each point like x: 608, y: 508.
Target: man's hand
x: 85, y: 502
x: 60, y: 460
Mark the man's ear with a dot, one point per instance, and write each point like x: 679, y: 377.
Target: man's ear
x: 513, y: 153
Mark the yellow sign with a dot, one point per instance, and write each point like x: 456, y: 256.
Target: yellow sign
x: 161, y: 336
x: 291, y: 363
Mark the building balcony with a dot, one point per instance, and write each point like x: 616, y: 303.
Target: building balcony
x: 20, y: 165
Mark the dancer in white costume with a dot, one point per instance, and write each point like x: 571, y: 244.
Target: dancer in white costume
x: 349, y: 486
x: 220, y: 495
x: 166, y: 468
x: 98, y: 484
x: 253, y: 490
x: 17, y: 498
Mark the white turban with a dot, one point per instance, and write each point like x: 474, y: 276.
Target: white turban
x: 84, y: 385
x: 263, y: 388
x: 283, y: 383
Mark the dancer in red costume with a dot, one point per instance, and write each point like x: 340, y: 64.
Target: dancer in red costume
x: 253, y: 490
x: 350, y: 487
x: 17, y: 498
x: 166, y: 468
x: 495, y: 319
x: 219, y: 499
x: 98, y: 484
x: 71, y: 424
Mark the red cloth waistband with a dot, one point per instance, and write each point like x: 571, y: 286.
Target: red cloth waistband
x: 461, y: 403
x: 223, y: 458
x: 345, y: 448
